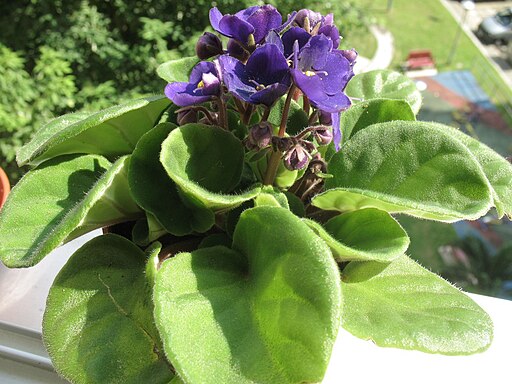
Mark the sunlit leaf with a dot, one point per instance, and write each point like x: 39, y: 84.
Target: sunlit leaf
x: 403, y: 305
x: 98, y: 324
x: 410, y: 167
x: 365, y: 234
x: 111, y: 132
x: 61, y: 200
x: 384, y: 84
x: 265, y: 311
x: 206, y: 162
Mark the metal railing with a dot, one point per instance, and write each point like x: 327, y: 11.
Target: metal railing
x: 498, y: 91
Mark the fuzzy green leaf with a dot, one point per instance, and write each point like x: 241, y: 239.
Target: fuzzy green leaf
x: 363, y: 235
x: 157, y: 194
x: 384, y: 84
x: 177, y: 70
x: 111, y: 132
x: 410, y: 167
x: 59, y: 201
x: 265, y: 311
x: 373, y: 111
x: 496, y: 168
x: 98, y: 324
x: 206, y: 162
x: 403, y: 305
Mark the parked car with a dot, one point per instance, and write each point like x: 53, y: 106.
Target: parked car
x: 497, y: 28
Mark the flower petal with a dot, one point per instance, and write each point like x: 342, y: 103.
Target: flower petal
x: 232, y: 26
x: 264, y: 20
x: 269, y: 95
x: 267, y: 65
x: 184, y: 94
x: 215, y: 17
x: 291, y: 35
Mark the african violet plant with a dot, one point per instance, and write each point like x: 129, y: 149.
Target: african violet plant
x: 249, y: 214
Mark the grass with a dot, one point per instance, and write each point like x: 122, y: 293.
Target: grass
x: 418, y: 24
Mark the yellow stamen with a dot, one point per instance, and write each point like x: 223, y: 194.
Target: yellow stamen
x: 310, y: 73
x: 200, y: 84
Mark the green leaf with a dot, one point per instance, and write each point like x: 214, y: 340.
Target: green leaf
x: 271, y: 196
x: 362, y: 115
x: 59, y: 201
x: 427, y: 237
x: 98, y: 324
x: 111, y: 132
x: 384, y: 84
x: 410, y: 167
x: 265, y: 311
x: 206, y: 162
x: 297, y: 118
x: 157, y: 194
x: 147, y: 230
x: 496, y: 168
x: 403, y: 305
x: 363, y: 235
x: 177, y: 70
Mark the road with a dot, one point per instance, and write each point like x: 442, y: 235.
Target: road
x: 473, y: 19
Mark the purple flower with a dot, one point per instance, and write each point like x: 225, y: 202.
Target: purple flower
x: 264, y: 78
x: 256, y: 21
x: 322, y: 74
x: 316, y: 24
x: 296, y: 158
x: 204, y: 85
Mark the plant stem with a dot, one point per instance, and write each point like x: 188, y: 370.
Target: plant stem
x: 286, y: 110
x: 273, y: 162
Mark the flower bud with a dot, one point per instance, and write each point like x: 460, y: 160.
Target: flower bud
x: 325, y: 118
x: 350, y: 55
x: 260, y: 134
x: 208, y: 45
x: 187, y: 116
x: 237, y: 51
x: 322, y: 135
x: 296, y: 158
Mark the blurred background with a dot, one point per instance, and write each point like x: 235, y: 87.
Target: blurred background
x: 60, y: 56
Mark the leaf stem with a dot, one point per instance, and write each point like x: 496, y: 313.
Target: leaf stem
x: 306, y: 105
x: 246, y: 117
x: 223, y: 116
x: 266, y: 114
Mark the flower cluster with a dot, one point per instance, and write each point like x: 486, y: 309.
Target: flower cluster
x: 264, y: 59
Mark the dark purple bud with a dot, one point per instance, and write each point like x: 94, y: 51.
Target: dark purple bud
x: 296, y: 158
x: 187, y: 116
x: 208, y: 45
x: 260, y: 134
x: 236, y: 50
x: 322, y: 135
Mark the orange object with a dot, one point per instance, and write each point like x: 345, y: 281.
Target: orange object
x: 5, y: 187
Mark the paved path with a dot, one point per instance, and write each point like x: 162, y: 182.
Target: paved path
x: 383, y: 55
